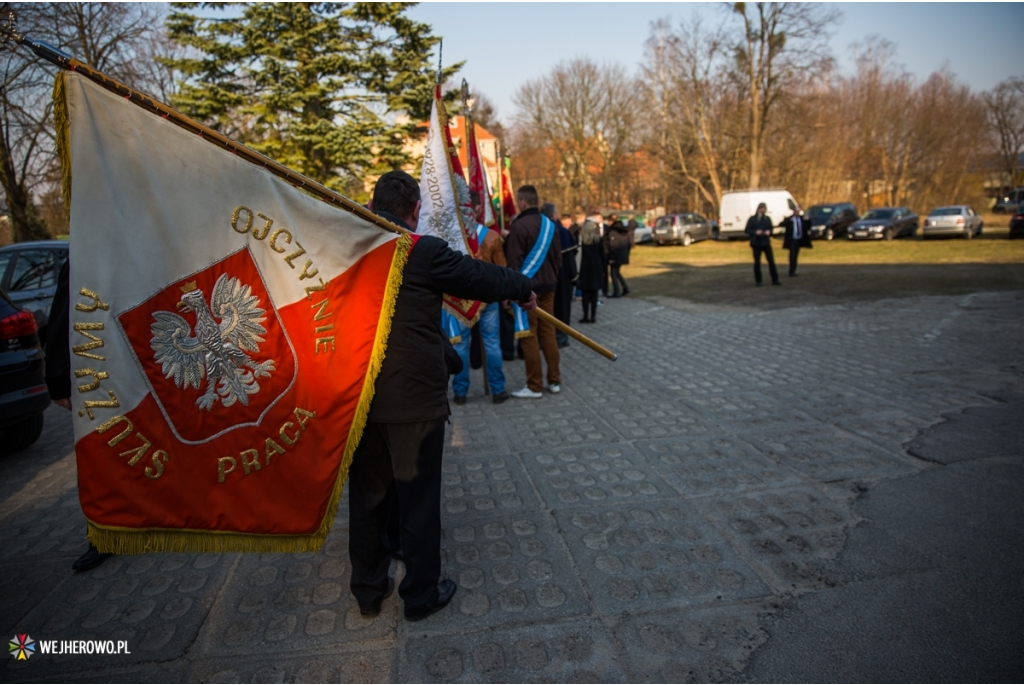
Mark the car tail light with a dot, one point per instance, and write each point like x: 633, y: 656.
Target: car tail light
x: 959, y: 219
x: 1019, y: 217
x: 18, y: 325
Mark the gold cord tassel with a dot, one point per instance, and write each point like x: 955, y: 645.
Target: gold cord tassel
x: 62, y: 127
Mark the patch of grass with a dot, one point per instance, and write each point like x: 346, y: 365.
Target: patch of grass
x: 833, y: 272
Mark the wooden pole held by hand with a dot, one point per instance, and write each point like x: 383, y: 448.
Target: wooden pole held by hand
x: 572, y: 332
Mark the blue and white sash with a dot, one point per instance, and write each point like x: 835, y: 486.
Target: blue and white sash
x: 452, y: 327
x: 530, y: 267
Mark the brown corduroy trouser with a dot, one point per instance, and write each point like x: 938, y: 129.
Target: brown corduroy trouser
x: 542, y: 337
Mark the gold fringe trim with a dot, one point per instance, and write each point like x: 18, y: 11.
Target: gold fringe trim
x: 145, y: 541
x: 62, y: 126
x: 519, y: 335
x: 456, y: 340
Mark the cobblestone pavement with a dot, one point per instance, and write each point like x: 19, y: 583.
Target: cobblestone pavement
x: 649, y: 523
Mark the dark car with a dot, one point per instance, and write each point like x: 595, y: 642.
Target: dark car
x: 1010, y: 203
x: 831, y: 220
x: 23, y: 395
x: 28, y: 273
x: 682, y: 229
x: 884, y: 223
x: 1017, y: 225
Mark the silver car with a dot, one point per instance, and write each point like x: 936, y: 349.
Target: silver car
x: 954, y: 220
x: 682, y: 229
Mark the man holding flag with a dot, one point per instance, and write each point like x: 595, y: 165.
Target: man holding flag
x: 532, y: 250
x: 395, y: 491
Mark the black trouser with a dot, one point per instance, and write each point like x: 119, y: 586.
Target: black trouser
x: 395, y: 506
x: 589, y: 304
x: 794, y: 253
x: 617, y: 279
x: 507, y: 327
x: 767, y: 250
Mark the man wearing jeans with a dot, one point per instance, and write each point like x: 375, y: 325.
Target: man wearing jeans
x: 490, y: 333
x: 531, y: 250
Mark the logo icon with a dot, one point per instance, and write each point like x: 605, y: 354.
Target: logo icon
x: 22, y: 647
x: 226, y: 328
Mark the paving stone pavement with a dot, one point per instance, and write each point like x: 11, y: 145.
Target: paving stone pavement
x: 650, y: 523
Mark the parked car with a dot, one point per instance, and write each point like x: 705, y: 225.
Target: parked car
x: 739, y: 206
x: 884, y: 223
x: 681, y: 229
x: 1017, y: 225
x: 28, y: 273
x: 1009, y: 203
x: 23, y: 397
x: 642, y: 234
x: 955, y: 220
x: 831, y: 220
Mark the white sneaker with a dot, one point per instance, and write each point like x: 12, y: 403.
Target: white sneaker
x: 526, y: 394
x: 555, y: 388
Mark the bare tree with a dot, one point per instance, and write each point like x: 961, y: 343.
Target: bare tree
x: 116, y: 38
x: 583, y: 112
x: 1005, y: 109
x: 780, y: 42
x: 698, y: 123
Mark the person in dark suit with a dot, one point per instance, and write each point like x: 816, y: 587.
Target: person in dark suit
x: 395, y: 476
x: 798, y: 235
x: 591, y: 269
x: 759, y: 228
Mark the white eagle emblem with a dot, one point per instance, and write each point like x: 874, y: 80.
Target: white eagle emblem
x: 217, y: 350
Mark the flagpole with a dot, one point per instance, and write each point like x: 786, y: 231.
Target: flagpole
x: 572, y: 332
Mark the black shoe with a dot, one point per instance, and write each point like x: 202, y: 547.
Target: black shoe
x: 460, y: 400
x: 562, y: 344
x: 500, y: 397
x: 584, y: 320
x: 373, y: 609
x: 776, y: 282
x: 792, y: 275
x: 90, y: 559
x: 625, y: 291
x: 445, y: 591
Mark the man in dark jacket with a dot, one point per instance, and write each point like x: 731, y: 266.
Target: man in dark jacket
x: 617, y: 241
x: 798, y: 235
x: 395, y: 476
x: 759, y: 228
x: 523, y: 235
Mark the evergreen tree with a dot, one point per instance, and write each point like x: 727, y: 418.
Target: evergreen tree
x: 316, y: 86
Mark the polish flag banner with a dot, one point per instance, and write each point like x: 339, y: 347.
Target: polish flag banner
x: 508, y: 203
x: 478, y: 176
x: 226, y: 331
x: 446, y: 210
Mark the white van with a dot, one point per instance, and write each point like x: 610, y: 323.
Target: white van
x: 738, y: 206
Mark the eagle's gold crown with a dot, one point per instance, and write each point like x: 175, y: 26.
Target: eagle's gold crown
x: 189, y: 287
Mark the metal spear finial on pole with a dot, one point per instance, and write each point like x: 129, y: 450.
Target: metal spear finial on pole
x: 440, y: 49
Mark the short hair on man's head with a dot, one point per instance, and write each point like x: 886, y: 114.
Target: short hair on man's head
x: 528, y: 196
x: 567, y: 217
x: 396, y: 193
x: 761, y: 204
x: 549, y: 210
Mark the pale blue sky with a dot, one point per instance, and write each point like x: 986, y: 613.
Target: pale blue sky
x: 505, y: 44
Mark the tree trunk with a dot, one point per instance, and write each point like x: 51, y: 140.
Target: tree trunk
x: 26, y: 224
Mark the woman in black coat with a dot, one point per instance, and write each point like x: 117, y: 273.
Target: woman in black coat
x: 617, y: 241
x: 591, y: 277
